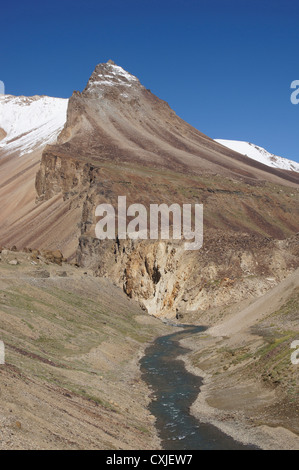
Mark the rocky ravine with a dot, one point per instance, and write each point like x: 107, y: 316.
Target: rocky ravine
x: 169, y: 281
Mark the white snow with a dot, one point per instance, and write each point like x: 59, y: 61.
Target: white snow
x: 260, y: 154
x: 116, y: 70
x: 30, y: 122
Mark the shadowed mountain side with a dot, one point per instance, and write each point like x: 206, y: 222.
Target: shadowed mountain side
x: 25, y: 223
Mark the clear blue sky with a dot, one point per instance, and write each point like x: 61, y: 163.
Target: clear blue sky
x: 225, y: 66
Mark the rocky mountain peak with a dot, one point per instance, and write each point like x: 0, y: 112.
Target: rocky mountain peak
x: 109, y: 76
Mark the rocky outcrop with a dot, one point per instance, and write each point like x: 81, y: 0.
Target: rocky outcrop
x: 169, y: 281
x: 60, y: 175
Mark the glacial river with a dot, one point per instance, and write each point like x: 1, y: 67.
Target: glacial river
x: 175, y: 390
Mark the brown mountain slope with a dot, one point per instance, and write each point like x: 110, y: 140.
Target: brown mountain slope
x: 116, y: 119
x: 120, y: 139
x: 22, y: 221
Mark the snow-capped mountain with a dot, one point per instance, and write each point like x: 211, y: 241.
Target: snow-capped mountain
x: 260, y: 154
x: 28, y: 123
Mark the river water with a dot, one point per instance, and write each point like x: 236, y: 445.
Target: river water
x: 175, y: 389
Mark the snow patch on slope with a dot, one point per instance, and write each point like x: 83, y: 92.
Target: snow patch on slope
x: 260, y: 154
x: 110, y: 75
x: 30, y: 122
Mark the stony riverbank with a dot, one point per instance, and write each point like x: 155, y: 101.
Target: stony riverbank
x: 250, y: 387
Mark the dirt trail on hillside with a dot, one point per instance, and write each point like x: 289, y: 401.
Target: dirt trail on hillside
x: 259, y: 309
